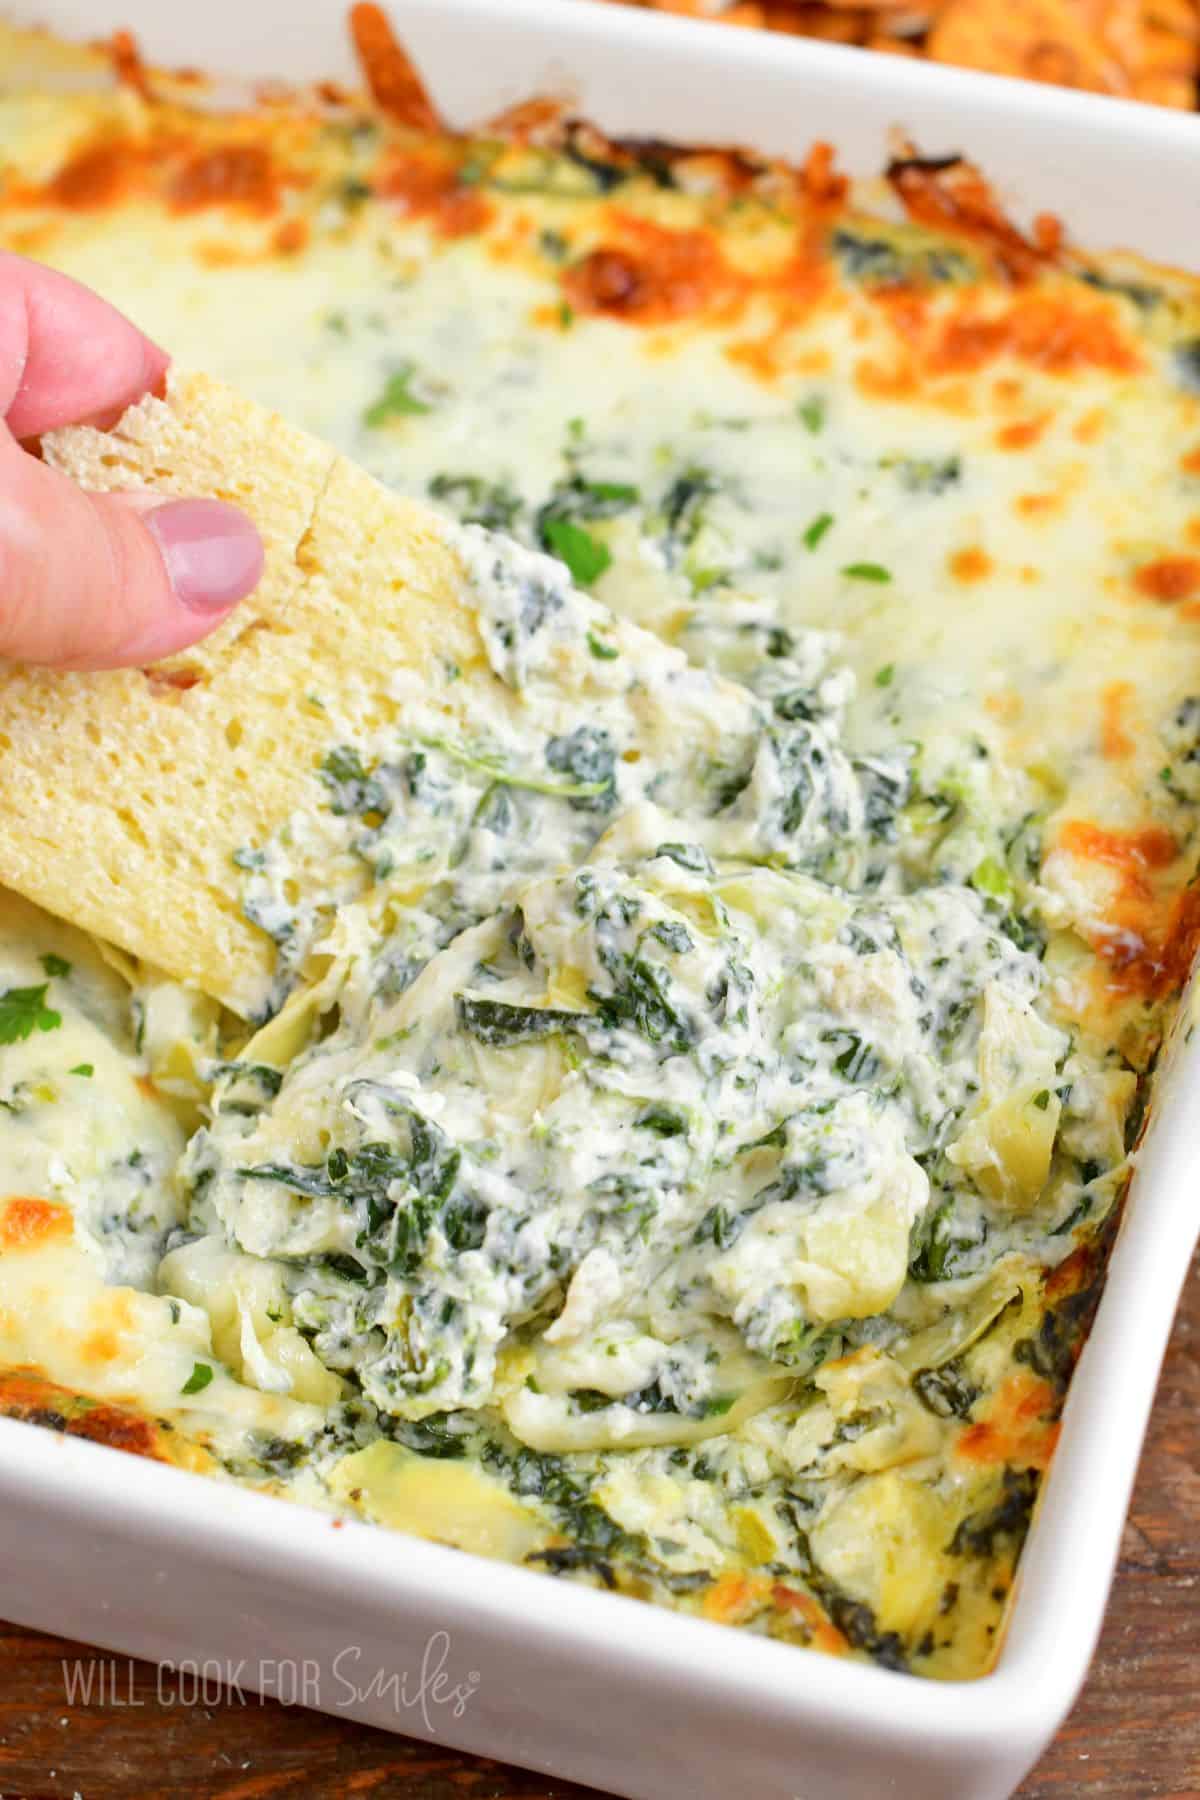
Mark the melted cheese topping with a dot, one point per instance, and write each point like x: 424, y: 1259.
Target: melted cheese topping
x: 687, y: 1155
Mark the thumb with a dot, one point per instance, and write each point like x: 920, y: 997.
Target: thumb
x: 99, y: 581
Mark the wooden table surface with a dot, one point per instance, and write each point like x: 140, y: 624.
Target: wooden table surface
x: 1134, y: 1735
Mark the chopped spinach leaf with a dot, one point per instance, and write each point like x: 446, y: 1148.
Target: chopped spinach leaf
x: 590, y: 756
x: 887, y: 262
x: 499, y: 1024
x: 1007, y: 1521
x: 683, y: 503
x: 640, y: 1001
x: 353, y: 789
x: 674, y: 935
x: 1185, y: 359
x: 1139, y: 293
x: 925, y: 474
x: 853, y: 1618
x: 492, y: 504
x: 945, y: 1391
x: 664, y: 1121
x: 689, y: 856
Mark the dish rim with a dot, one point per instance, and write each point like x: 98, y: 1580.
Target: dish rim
x: 1063, y: 1577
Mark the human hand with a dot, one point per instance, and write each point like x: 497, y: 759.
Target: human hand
x: 96, y: 581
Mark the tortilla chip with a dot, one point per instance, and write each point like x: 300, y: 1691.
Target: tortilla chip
x: 1146, y: 49
x: 839, y: 24
x: 1103, y: 46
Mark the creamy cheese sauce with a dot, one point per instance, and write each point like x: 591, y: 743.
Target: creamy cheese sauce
x: 685, y: 1145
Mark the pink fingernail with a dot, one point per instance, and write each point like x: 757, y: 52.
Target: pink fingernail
x: 214, y: 556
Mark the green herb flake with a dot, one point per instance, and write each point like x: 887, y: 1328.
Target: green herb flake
x: 866, y: 571
x: 718, y: 1406
x: 55, y: 965
x: 664, y: 1121
x: 86, y: 1069
x: 397, y: 399
x: 198, y: 1380
x: 816, y: 531
x: 885, y: 676
x: 811, y: 413
x: 23, y: 1011
x: 990, y: 877
x: 1042, y: 1100
x: 585, y: 556
x: 604, y: 652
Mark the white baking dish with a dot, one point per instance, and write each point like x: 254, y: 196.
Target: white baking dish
x: 144, y: 1559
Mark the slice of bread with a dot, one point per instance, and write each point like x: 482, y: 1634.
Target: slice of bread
x: 124, y: 795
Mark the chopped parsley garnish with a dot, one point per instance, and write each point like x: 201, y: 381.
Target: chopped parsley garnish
x: 23, y: 1011
x: 55, y: 965
x: 198, y: 1380
x: 885, y: 676
x: 816, y: 531
x: 604, y: 652
x: 607, y: 496
x: 866, y: 571
x: 83, y: 1069
x: 585, y: 556
x: 397, y: 399
x: 993, y: 879
x: 811, y: 412
x: 561, y: 527
x: 1042, y: 1100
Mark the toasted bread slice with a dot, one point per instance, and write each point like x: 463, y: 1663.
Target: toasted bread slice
x: 124, y: 795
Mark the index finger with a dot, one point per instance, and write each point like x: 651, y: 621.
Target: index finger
x: 66, y: 356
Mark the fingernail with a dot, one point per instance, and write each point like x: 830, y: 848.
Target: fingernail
x: 214, y: 556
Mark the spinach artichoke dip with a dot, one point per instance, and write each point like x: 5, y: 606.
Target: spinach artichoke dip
x: 679, y: 1140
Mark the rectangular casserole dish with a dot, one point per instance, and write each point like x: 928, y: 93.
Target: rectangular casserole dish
x: 585, y: 1685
